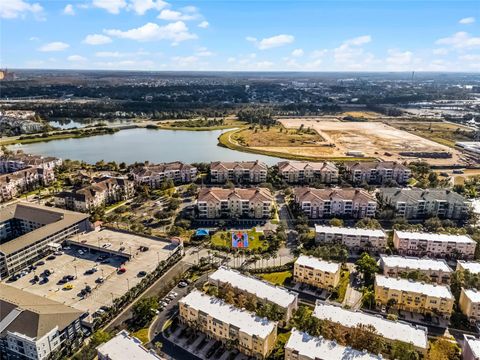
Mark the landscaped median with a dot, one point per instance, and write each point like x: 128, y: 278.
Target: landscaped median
x: 226, y: 140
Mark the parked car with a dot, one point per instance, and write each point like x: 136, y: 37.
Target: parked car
x: 90, y: 271
x: 182, y: 284
x: 58, y: 253
x: 40, y: 263
x: 142, y: 273
x: 100, y: 280
x: 121, y: 270
x: 51, y: 257
x: 68, y: 287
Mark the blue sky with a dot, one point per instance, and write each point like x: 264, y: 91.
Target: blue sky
x: 335, y: 35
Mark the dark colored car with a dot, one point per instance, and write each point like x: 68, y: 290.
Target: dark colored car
x: 51, y: 257
x: 142, y: 273
x: 40, y: 263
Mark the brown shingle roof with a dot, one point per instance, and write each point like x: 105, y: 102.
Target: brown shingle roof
x: 217, y: 194
x: 299, y: 165
x: 354, y: 194
x: 246, y: 165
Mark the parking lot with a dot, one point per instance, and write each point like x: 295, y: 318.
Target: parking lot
x: 97, y: 269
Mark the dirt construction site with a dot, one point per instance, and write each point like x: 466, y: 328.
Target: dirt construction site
x: 372, y: 139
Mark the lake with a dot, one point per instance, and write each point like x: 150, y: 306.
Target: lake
x: 144, y: 144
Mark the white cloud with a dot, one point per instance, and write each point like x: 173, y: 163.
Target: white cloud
x: 142, y: 6
x: 440, y: 51
x: 112, y: 6
x: 467, y: 20
x: 460, y: 40
x: 203, y: 52
x: 357, y: 41
x: 33, y: 38
x: 125, y: 64
x: 264, y: 64
x: 297, y: 53
x: 399, y: 60
x: 272, y: 42
x: 68, y: 10
x: 172, y: 15
x: 12, y: 9
x: 176, y: 32
x: 318, y: 53
x: 109, y: 54
x: 204, y: 24
x: 96, y: 39
x: 185, y: 61
x: 76, y: 58
x: 351, y: 55
x: 54, y: 46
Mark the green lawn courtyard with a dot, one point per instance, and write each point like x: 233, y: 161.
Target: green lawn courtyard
x: 224, y: 238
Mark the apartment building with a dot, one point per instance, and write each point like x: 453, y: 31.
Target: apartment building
x: 24, y: 180
x: 254, y: 336
x: 27, y: 230
x: 265, y: 292
x: 423, y: 203
x: 413, y: 296
x: 321, y: 203
x: 389, y: 330
x: 435, y: 245
x: 354, y: 238
x: 34, y: 327
x: 13, y: 162
x: 302, y: 346
x: 124, y: 346
x: 378, y: 172
x: 103, y: 192
x: 437, y: 270
x: 239, y: 172
x: 472, y: 266
x: 469, y: 304
x: 214, y: 203
x: 316, y: 272
x: 154, y: 175
x: 470, y: 348
x: 295, y: 172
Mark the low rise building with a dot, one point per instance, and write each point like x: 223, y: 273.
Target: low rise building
x: 24, y: 180
x: 413, y: 296
x: 265, y: 292
x: 378, y: 172
x: 423, y: 203
x: 470, y: 348
x: 34, y: 327
x: 469, y: 304
x: 302, y: 346
x: 316, y: 272
x: 123, y: 346
x: 19, y: 160
x: 154, y: 175
x: 438, y: 271
x: 472, y: 266
x: 436, y: 245
x: 253, y: 335
x: 389, y: 330
x: 353, y: 238
x: 240, y: 172
x: 295, y: 172
x: 253, y: 203
x: 324, y: 203
x: 103, y: 192
x: 27, y: 230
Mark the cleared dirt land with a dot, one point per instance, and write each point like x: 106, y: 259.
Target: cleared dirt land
x: 373, y: 139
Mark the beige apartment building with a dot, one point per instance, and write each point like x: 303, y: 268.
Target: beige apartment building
x: 295, y: 172
x: 253, y: 203
x: 414, y: 296
x: 254, y: 336
x: 321, y: 203
x: 316, y: 272
x: 265, y: 292
x: 244, y: 172
x: 103, y: 192
x: 469, y: 304
x: 423, y: 203
x: 353, y: 238
x: 389, y: 330
x: 302, y: 346
x: 437, y: 270
x: 378, y: 172
x: 435, y: 245
x: 154, y: 175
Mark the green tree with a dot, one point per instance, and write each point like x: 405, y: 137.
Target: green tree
x: 368, y: 267
x: 403, y: 351
x: 336, y: 222
x: 444, y: 349
x: 144, y: 310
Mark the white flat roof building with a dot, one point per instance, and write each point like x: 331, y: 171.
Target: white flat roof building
x: 470, y: 348
x: 406, y: 285
x: 125, y: 347
x: 247, y: 322
x: 348, y: 231
x: 414, y: 263
x: 318, y: 348
x: 473, y: 295
x: 388, y: 329
x: 464, y: 239
x: 275, y: 294
x: 318, y: 264
x: 471, y: 266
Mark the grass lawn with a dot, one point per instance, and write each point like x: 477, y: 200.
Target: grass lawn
x: 342, y: 286
x: 224, y: 238
x: 277, y: 278
x: 142, y: 335
x: 276, y: 136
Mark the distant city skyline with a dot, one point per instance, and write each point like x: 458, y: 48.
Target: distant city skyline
x: 241, y: 35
